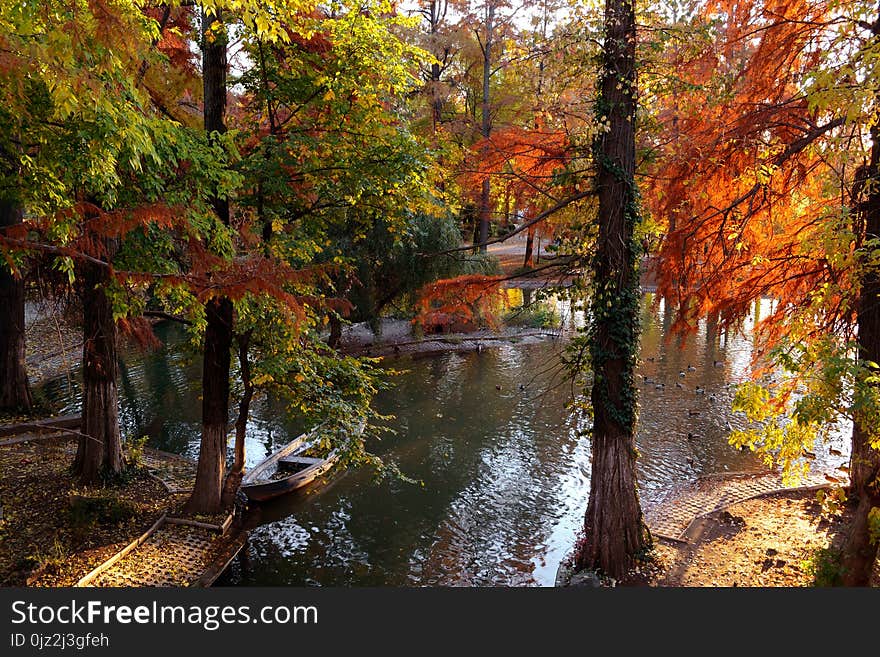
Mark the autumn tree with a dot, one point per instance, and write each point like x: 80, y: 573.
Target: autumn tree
x: 206, y: 495
x: 72, y: 158
x: 768, y: 184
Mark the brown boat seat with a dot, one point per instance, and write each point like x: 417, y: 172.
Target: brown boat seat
x: 299, y: 462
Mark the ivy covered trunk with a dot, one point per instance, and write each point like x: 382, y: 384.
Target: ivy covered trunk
x: 859, y: 550
x: 99, y: 451
x: 207, y: 491
x: 14, y: 392
x: 486, y: 127
x: 614, y: 528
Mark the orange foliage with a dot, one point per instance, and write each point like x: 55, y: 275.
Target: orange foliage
x: 525, y: 159
x: 140, y: 331
x: 459, y: 304
x: 739, y: 178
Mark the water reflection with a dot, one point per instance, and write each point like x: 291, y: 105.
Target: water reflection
x: 503, y: 464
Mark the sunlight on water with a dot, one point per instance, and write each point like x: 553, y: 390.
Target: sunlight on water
x: 503, y: 464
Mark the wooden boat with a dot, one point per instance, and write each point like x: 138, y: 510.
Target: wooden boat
x: 269, y: 479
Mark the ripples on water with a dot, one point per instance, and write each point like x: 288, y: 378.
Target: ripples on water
x: 504, y: 470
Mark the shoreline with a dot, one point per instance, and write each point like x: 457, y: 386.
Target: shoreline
x: 397, y: 339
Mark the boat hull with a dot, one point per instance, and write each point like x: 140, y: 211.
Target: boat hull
x: 262, y: 491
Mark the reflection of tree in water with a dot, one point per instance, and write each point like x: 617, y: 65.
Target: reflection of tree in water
x: 503, y: 469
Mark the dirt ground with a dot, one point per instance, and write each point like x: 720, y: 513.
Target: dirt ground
x: 770, y: 541
x: 52, y: 531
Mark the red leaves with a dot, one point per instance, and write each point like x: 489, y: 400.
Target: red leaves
x: 737, y: 177
x: 527, y: 158
x: 139, y: 330
x: 459, y: 304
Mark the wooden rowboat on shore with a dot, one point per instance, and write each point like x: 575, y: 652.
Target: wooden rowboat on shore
x: 287, y: 469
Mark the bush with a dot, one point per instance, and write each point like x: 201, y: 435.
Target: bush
x: 536, y: 315
x: 824, y: 567
x: 103, y: 507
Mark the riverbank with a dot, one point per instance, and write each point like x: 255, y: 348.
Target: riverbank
x: 784, y: 539
x: 396, y: 338
x: 53, y: 531
x: 677, y: 564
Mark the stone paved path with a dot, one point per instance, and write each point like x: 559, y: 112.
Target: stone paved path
x: 176, y: 472
x: 174, y: 555
x: 671, y: 516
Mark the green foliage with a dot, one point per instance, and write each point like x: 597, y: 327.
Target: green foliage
x: 824, y: 567
x: 84, y: 510
x: 832, y: 501
x: 318, y: 385
x: 819, y: 386
x: 535, y: 315
x: 134, y: 452
x: 874, y: 524
x: 392, y: 267
x: 48, y: 558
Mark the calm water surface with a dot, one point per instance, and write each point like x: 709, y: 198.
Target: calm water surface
x: 504, y: 469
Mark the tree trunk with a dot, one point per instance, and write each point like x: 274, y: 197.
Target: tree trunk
x: 100, y: 447
x: 236, y: 472
x: 529, y: 260
x: 486, y: 126
x: 335, y: 331
x: 14, y: 392
x: 859, y: 552
x: 614, y: 529
x: 207, y: 492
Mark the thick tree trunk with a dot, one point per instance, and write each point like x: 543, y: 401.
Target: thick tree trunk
x: 100, y: 446
x: 859, y: 552
x: 436, y: 99
x: 486, y: 126
x: 614, y: 529
x: 207, y: 492
x: 15, y: 394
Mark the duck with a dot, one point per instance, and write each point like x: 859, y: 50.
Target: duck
x: 693, y: 412
x: 678, y: 384
x: 681, y: 373
x: 497, y: 387
x: 718, y: 363
x: 522, y: 386
x: 659, y: 386
x: 647, y: 379
x: 691, y: 368
x: 699, y: 390
x: 692, y: 436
